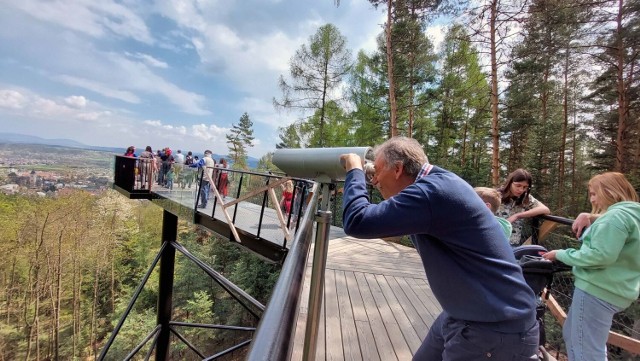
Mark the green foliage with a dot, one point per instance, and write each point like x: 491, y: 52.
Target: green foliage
x: 368, y: 94
x: 289, y: 136
x: 316, y: 72
x: 265, y: 164
x: 460, y: 133
x: 238, y: 139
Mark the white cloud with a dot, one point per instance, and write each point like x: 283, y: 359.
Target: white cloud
x: 150, y: 60
x: 76, y: 101
x: 436, y: 34
x: 69, y: 109
x: 100, y: 88
x: 12, y: 99
x: 209, y: 133
x: 94, y: 18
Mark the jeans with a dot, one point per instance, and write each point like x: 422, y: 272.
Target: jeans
x: 456, y: 340
x: 587, y: 327
x: 204, y: 193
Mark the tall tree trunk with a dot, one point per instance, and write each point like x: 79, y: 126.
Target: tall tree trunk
x: 75, y: 313
x: 412, y: 81
x: 463, y: 155
x: 565, y: 124
x: 621, y: 89
x: 94, y: 306
x: 544, y: 148
x: 495, y: 128
x: 574, y: 160
x: 10, y: 287
x: 323, y: 109
x: 392, y: 91
x: 56, y: 311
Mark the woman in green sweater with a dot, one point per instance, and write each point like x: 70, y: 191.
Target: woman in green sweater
x: 606, y: 267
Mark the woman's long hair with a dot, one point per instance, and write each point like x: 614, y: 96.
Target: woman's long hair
x: 611, y: 188
x: 518, y: 175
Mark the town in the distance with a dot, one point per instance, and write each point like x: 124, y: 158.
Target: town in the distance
x: 42, y: 170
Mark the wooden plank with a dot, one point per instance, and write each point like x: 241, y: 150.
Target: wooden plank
x: 301, y: 322
x: 321, y: 346
x: 358, y: 253
x: 411, y: 309
x: 350, y: 344
x: 403, y: 312
x: 377, y: 266
x: 333, y: 333
x: 365, y: 335
x: 394, y: 331
x: 365, y: 269
x: 419, y: 303
x: 383, y: 343
x: 422, y: 289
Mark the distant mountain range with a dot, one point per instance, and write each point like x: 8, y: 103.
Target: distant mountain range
x: 30, y: 139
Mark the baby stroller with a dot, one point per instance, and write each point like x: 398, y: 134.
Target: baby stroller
x: 538, y: 273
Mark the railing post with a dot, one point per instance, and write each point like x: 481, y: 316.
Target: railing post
x: 165, y: 289
x: 535, y: 230
x: 316, y: 291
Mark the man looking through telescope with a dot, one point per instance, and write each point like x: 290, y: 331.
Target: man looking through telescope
x: 488, y: 309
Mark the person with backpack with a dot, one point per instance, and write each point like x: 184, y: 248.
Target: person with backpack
x: 606, y: 268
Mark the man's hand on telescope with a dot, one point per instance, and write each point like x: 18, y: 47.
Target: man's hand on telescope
x: 350, y: 161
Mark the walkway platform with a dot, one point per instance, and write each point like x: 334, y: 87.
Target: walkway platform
x: 377, y: 302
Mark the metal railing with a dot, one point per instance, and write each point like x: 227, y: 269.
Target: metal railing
x: 135, y: 177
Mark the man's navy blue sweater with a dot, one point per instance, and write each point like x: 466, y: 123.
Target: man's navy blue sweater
x: 469, y: 264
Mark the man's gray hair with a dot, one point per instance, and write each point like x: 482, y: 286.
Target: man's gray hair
x: 402, y: 150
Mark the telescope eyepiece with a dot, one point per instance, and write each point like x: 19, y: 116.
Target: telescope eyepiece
x: 369, y: 171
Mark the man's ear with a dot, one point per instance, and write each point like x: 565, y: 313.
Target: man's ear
x: 398, y: 170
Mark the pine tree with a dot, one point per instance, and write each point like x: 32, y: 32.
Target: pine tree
x: 238, y: 139
x: 462, y: 113
x: 316, y: 71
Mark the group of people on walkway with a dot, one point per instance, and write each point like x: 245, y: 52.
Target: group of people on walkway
x: 167, y: 168
x: 489, y: 311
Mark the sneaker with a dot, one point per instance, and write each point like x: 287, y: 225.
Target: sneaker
x: 201, y: 206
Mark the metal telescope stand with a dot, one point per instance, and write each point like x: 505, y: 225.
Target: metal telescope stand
x: 316, y: 289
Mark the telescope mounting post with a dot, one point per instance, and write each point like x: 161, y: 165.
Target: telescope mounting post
x: 316, y: 286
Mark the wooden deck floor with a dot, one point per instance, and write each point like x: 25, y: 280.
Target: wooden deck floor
x: 377, y: 302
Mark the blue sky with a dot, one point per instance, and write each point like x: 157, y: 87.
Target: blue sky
x: 172, y: 73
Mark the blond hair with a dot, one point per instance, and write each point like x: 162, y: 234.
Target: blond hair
x: 288, y: 186
x: 611, y: 188
x: 489, y: 195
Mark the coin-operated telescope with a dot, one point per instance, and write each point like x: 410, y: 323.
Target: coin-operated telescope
x: 320, y: 164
